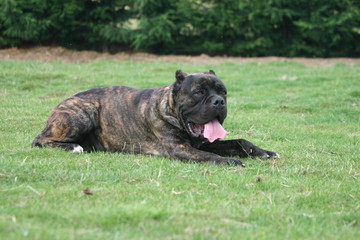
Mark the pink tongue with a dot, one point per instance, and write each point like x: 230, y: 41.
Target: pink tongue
x: 213, y: 131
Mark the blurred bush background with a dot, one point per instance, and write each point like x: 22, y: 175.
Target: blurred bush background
x: 307, y: 28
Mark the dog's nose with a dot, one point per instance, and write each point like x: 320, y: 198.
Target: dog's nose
x: 218, y: 102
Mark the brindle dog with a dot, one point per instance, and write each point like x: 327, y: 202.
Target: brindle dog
x: 169, y: 121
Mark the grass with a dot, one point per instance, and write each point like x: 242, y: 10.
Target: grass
x: 311, y: 116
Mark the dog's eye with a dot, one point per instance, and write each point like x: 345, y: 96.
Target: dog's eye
x: 222, y: 92
x: 199, y: 92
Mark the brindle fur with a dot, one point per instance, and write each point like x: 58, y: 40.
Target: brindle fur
x: 149, y: 121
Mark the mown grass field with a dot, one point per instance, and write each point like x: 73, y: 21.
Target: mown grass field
x: 309, y: 115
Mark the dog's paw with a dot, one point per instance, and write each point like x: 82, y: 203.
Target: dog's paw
x: 270, y: 155
x: 237, y: 163
x: 77, y: 149
x: 263, y: 154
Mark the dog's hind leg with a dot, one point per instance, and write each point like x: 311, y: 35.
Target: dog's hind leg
x: 67, y: 127
x: 41, y: 141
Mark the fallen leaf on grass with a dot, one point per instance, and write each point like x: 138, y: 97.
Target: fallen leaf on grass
x: 87, y: 191
x: 259, y: 178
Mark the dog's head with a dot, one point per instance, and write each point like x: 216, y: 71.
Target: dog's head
x: 200, y: 101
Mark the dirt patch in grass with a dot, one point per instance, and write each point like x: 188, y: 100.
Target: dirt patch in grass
x: 48, y: 54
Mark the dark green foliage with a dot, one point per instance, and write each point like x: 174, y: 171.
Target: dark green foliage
x: 70, y: 23
x: 312, y: 28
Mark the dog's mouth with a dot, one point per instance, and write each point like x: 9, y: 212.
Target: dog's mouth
x: 196, y: 130
x: 212, y: 130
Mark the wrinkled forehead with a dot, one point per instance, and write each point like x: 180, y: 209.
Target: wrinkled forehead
x: 203, y: 81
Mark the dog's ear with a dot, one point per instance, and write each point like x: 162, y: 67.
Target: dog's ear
x: 212, y: 72
x: 180, y: 76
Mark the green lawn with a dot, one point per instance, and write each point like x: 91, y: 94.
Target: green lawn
x: 309, y: 115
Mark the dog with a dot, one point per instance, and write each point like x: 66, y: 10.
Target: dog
x: 181, y: 121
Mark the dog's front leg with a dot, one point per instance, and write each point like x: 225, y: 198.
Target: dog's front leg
x: 185, y: 152
x: 238, y: 147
